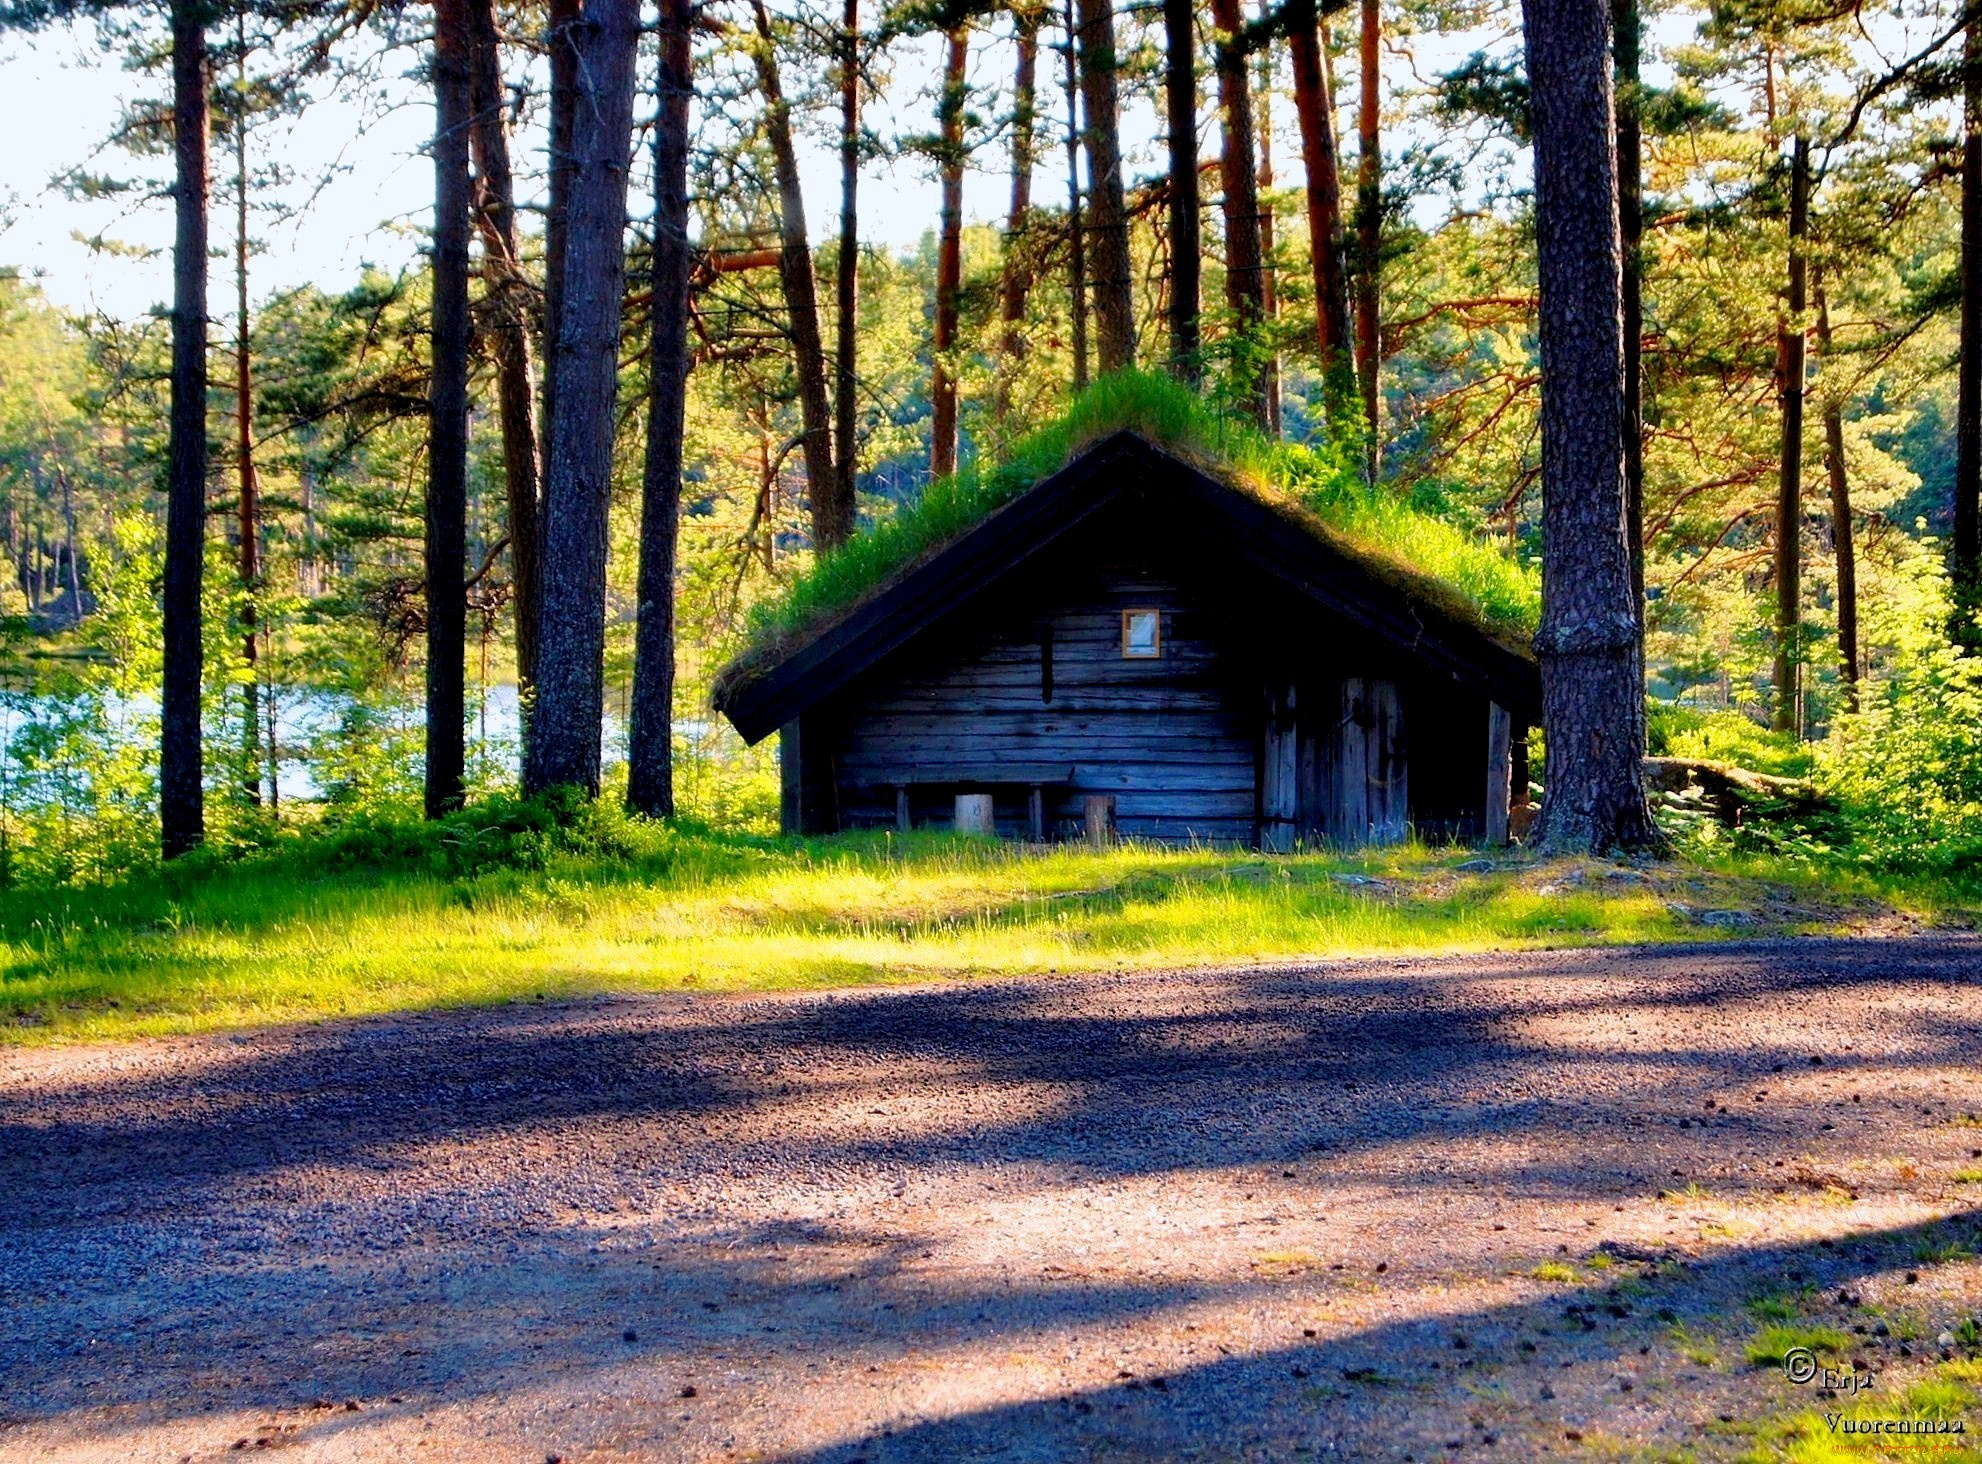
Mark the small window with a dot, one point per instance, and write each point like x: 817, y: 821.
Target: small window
x: 1142, y: 635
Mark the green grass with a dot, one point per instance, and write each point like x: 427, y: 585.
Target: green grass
x: 1321, y: 484
x: 512, y: 901
x: 1816, y: 1436
x: 1773, y: 1341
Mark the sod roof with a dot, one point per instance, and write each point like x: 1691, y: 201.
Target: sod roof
x: 1419, y: 555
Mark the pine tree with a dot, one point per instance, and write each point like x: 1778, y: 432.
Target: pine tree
x: 564, y: 743
x: 650, y: 725
x: 1591, y: 654
x: 447, y: 434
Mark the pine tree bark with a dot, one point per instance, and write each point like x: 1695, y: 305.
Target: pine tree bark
x: 1631, y: 227
x: 248, y: 525
x: 1076, y: 221
x: 1239, y: 197
x: 1186, y: 230
x: 650, y: 729
x: 1842, y: 530
x: 1965, y: 551
x: 1269, y: 280
x: 949, y: 258
x: 1315, y: 110
x: 447, y: 420
x: 1015, y: 276
x: 1108, y: 219
x: 507, y: 293
x: 564, y: 15
x: 846, y: 283
x: 1785, y: 714
x: 181, y: 801
x: 832, y: 512
x: 1593, y: 695
x: 1369, y: 231
x: 564, y: 745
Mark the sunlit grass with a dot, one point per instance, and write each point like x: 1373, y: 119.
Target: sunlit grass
x: 1778, y: 1339
x: 319, y: 931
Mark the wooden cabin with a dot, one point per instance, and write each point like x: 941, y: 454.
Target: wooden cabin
x: 1132, y: 641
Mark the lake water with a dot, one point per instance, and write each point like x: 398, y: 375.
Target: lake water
x: 305, y: 717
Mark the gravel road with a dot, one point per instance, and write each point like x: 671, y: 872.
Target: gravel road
x: 1258, y: 1214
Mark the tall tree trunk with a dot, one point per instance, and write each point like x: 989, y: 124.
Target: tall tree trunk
x: 508, y: 305
x: 447, y: 420
x: 1841, y: 518
x: 1076, y: 223
x: 1785, y: 715
x: 1015, y: 281
x: 1965, y: 558
x: 832, y: 513
x: 1631, y: 228
x: 1269, y: 280
x: 248, y: 503
x: 1186, y: 246
x: 949, y: 259
x: 650, y: 729
x: 72, y: 556
x: 1315, y: 109
x: 1239, y: 196
x: 1114, y: 282
x: 564, y: 16
x: 1369, y: 230
x: 846, y: 389
x: 564, y: 743
x: 181, y: 802
x: 1593, y: 693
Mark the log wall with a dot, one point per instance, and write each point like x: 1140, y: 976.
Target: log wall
x: 1047, y: 699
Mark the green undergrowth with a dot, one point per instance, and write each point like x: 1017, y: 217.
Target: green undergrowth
x: 1321, y: 483
x: 1708, y: 734
x: 514, y: 901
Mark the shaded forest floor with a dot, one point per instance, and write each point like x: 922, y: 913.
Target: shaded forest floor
x: 397, y: 918
x: 1563, y: 1204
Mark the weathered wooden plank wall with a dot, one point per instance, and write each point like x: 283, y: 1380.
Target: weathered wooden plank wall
x: 1046, y: 697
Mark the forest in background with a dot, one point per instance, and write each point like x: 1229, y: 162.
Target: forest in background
x: 1795, y: 225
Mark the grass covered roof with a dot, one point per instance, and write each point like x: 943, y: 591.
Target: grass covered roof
x: 1321, y: 486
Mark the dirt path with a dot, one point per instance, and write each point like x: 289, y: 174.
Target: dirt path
x: 1259, y: 1214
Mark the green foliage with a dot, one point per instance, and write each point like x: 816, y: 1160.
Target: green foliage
x: 1910, y: 764
x: 1714, y: 735
x: 1321, y: 482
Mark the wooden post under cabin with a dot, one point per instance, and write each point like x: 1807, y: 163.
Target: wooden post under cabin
x: 975, y: 814
x: 1100, y: 811
x: 1500, y: 770
x: 903, y: 823
x: 1035, y: 808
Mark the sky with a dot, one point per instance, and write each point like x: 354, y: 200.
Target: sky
x: 60, y: 96
x: 361, y: 187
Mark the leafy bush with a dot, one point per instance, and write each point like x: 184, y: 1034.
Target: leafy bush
x: 1714, y: 735
x: 1909, y: 764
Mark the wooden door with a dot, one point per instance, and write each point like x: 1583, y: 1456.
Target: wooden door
x: 1369, y: 773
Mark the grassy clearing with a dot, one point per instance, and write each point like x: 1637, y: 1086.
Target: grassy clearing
x: 409, y: 917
